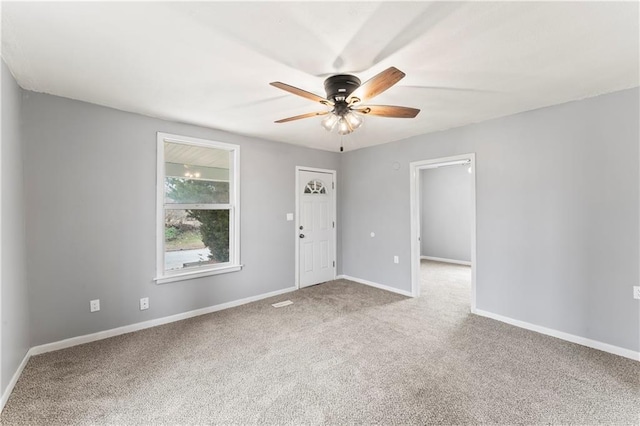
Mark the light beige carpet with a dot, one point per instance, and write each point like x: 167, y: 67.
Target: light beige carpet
x: 343, y: 353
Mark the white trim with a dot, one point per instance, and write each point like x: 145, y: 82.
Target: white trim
x: 446, y: 163
x: 67, y: 343
x: 74, y: 341
x: 234, y: 264
x: 1, y: 226
x: 376, y: 285
x: 88, y: 338
x: 442, y: 259
x: 315, y: 169
x: 197, y: 274
x: 176, y: 206
x: 414, y: 188
x: 605, y: 347
x: 159, y: 204
x: 7, y: 392
x: 334, y: 192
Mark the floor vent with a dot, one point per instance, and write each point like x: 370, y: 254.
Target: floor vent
x: 281, y: 304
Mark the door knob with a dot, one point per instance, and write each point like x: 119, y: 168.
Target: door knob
x: 301, y: 235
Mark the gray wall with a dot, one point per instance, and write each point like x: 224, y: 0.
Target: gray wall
x: 91, y: 177
x: 557, y: 214
x: 445, y: 207
x: 557, y: 217
x: 15, y: 312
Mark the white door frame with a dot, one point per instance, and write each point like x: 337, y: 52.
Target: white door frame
x: 297, y: 221
x: 414, y: 174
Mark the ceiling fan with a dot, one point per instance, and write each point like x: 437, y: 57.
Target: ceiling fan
x: 347, y: 99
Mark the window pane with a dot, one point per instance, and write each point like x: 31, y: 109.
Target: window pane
x: 193, y: 191
x: 195, y: 238
x: 192, y: 155
x: 196, y: 174
x: 315, y: 187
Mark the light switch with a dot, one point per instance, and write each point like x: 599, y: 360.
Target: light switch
x: 289, y: 216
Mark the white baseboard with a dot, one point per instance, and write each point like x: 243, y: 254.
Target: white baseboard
x: 74, y: 341
x: 14, y: 380
x: 376, y: 285
x: 605, y: 347
x: 442, y: 259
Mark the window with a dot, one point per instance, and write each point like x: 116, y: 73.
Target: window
x: 198, y: 217
x: 315, y: 187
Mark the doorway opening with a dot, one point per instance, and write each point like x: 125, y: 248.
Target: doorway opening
x: 315, y: 226
x: 443, y: 224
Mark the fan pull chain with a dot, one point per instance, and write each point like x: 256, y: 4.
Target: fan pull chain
x: 341, y: 144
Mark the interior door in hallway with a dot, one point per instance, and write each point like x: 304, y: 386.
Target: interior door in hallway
x: 316, y: 225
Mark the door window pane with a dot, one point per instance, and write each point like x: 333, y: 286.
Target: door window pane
x: 315, y: 187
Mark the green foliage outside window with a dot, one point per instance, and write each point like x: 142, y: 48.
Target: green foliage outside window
x: 171, y: 233
x: 214, y: 231
x: 214, y: 227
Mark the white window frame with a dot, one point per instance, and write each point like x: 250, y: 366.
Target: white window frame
x: 234, y: 264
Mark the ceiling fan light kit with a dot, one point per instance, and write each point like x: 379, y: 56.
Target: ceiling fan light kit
x: 354, y: 119
x: 346, y: 123
x: 346, y: 96
x: 330, y: 122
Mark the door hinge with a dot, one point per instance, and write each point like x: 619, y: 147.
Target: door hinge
x: 334, y: 263
x: 333, y: 185
x: 334, y: 224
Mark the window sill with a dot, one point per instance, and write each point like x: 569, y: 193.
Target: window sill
x: 196, y: 274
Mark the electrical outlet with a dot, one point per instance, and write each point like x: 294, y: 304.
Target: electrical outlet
x: 94, y: 305
x: 396, y: 259
x: 636, y: 292
x: 144, y: 303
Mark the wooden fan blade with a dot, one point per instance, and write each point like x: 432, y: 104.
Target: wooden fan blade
x: 301, y: 116
x: 377, y: 84
x: 300, y: 92
x: 388, y: 111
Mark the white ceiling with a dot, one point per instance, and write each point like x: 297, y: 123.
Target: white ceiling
x: 210, y: 63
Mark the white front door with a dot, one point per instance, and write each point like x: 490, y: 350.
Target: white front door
x: 316, y: 223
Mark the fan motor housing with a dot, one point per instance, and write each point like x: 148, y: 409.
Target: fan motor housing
x: 339, y: 87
